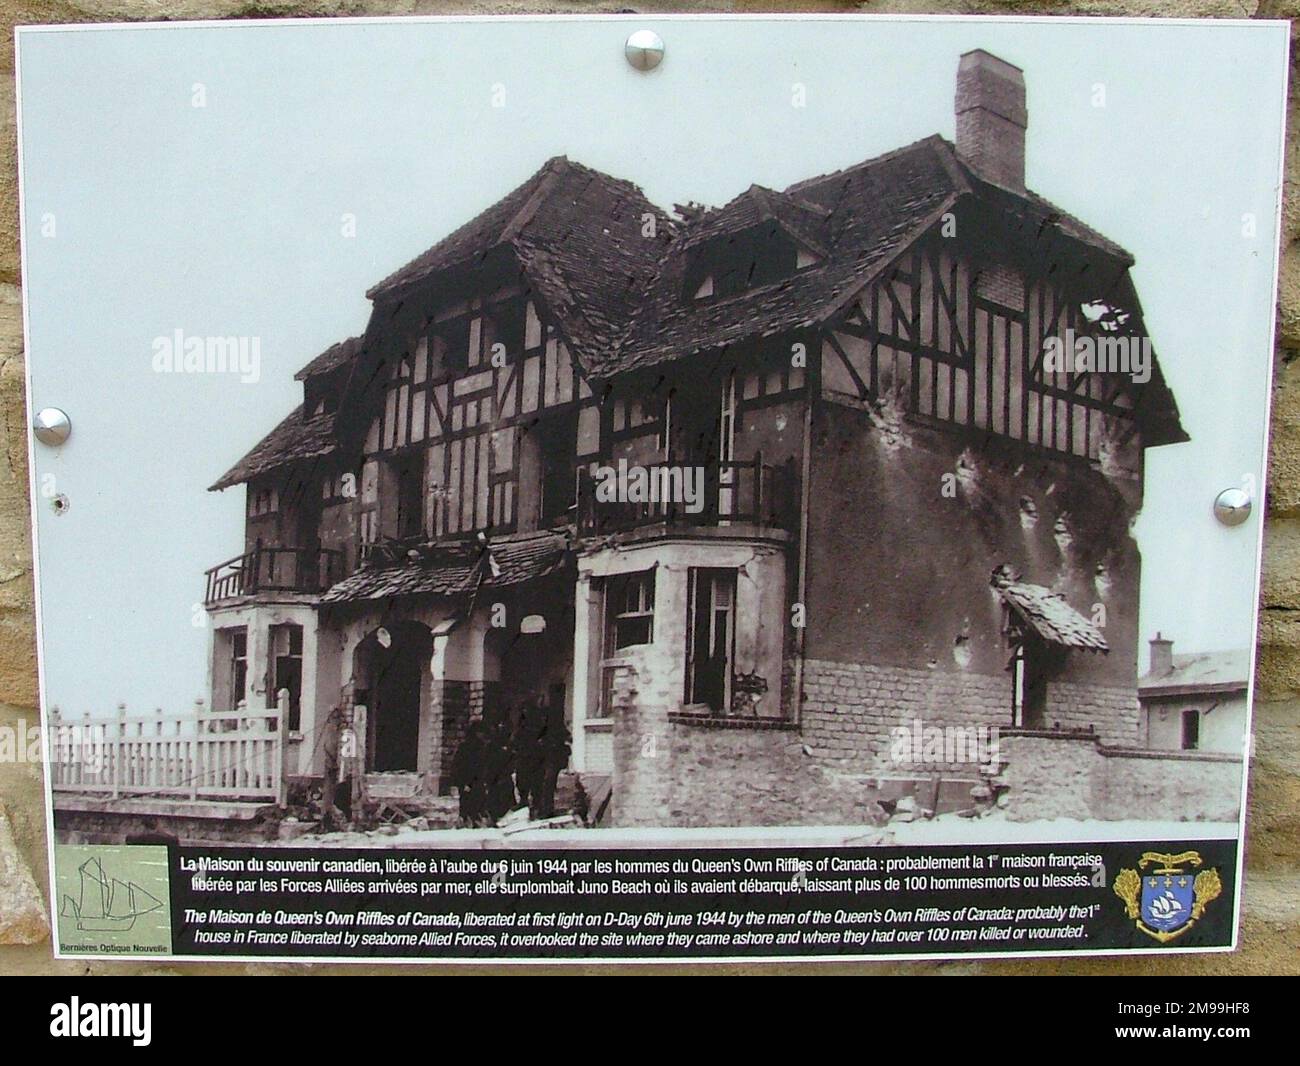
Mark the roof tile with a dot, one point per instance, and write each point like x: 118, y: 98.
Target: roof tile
x: 1049, y: 615
x: 293, y: 440
x: 458, y: 569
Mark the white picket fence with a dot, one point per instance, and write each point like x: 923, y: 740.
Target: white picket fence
x: 199, y: 755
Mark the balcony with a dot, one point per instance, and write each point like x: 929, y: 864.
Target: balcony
x: 730, y: 493
x: 299, y: 570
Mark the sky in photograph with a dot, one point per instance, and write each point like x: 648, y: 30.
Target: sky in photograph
x: 145, y: 214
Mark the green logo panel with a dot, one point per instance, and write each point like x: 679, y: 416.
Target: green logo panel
x: 112, y: 899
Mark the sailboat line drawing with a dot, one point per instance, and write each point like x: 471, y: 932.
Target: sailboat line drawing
x: 106, y: 904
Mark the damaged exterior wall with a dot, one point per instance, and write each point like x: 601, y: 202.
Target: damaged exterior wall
x: 759, y: 633
x: 905, y: 587
x: 674, y: 769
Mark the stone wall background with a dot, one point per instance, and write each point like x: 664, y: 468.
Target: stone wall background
x: 1271, y: 903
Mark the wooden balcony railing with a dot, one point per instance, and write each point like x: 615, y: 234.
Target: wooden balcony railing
x: 735, y: 492
x: 306, y: 570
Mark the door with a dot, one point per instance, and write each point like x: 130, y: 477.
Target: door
x: 710, y: 638
x: 397, y: 678
x: 703, y: 433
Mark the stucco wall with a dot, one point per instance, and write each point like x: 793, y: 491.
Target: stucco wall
x: 907, y: 581
x: 1223, y: 720
x: 1271, y: 913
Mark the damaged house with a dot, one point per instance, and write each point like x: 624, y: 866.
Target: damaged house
x: 743, y: 488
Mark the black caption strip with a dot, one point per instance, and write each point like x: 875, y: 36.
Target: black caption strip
x: 685, y: 903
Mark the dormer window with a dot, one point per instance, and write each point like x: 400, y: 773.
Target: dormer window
x: 320, y: 396
x: 750, y: 259
x: 805, y: 258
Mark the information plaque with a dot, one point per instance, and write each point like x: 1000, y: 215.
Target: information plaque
x: 648, y: 488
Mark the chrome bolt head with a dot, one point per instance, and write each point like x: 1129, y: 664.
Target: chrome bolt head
x: 644, y: 50
x: 1232, y: 506
x: 51, y: 426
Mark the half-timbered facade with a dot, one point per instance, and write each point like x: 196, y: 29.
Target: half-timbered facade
x: 820, y: 462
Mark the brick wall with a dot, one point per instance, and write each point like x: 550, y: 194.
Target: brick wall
x: 671, y: 771
x: 1112, y: 713
x: 453, y: 706
x: 850, y: 709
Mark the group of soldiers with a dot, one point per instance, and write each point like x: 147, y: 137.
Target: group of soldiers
x: 501, y: 766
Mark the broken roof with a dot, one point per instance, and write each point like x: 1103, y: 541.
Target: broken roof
x: 458, y: 569
x: 1207, y: 671
x: 802, y: 219
x: 1049, y: 615
x: 293, y: 440
x: 872, y: 212
x: 857, y: 220
x: 333, y: 357
x: 581, y: 241
x: 579, y: 237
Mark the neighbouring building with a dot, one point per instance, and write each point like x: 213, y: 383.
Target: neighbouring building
x: 743, y: 487
x: 1194, y: 702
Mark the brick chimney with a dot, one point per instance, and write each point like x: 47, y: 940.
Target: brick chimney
x: 1162, y: 656
x: 991, y: 118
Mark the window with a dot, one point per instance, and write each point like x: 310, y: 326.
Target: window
x: 629, y: 610
x: 710, y: 635
x: 1191, y: 730
x: 558, y: 438
x: 408, y: 484
x: 629, y: 621
x: 338, y: 488
x: 449, y: 347
x: 1028, y: 684
x: 263, y: 501
x: 746, y: 260
x: 508, y: 325
x: 286, y: 670
x: 238, y: 666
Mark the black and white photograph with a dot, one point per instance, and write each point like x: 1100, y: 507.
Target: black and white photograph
x: 844, y: 438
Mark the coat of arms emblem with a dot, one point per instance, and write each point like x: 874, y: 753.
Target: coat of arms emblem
x: 1166, y: 900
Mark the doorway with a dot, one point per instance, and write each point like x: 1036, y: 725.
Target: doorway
x: 710, y: 638
x: 393, y: 675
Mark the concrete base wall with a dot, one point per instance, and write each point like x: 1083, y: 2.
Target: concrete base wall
x: 1074, y: 777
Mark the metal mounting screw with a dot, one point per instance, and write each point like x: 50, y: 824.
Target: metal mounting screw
x: 51, y: 426
x: 644, y: 49
x: 1232, y: 506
